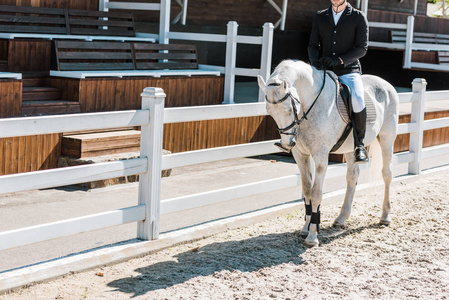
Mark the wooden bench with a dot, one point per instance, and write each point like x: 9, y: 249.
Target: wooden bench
x: 56, y: 23
x: 81, y: 59
x: 399, y: 36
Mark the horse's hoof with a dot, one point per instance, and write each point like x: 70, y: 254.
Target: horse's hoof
x: 304, y: 234
x: 338, y: 225
x: 385, y: 222
x: 311, y: 243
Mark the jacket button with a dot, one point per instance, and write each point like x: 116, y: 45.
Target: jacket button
x: 335, y: 31
x: 333, y: 53
x: 335, y: 43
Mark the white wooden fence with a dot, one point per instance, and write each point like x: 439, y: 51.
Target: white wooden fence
x: 151, y: 118
x: 409, y: 45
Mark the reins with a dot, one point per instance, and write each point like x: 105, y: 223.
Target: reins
x: 297, y: 121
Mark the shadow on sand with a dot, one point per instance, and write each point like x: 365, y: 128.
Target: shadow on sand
x: 247, y: 255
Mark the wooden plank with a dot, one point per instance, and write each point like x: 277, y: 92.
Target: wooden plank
x: 85, y: 55
x: 165, y: 65
x: 152, y: 46
x: 97, y: 22
x: 71, y: 66
x: 31, y: 10
x: 92, y: 45
x: 32, y: 29
x: 161, y: 55
x: 31, y: 19
x: 100, y: 14
x: 111, y: 31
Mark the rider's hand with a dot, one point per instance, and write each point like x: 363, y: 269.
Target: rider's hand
x: 330, y: 62
x: 318, y: 65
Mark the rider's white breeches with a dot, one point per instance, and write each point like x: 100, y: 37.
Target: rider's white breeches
x: 354, y: 81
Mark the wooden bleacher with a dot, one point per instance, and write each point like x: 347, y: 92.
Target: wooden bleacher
x: 81, y: 59
x: 98, y: 46
x: 57, y: 23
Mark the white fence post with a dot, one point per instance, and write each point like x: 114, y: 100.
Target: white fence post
x: 409, y: 42
x: 231, y: 57
x: 417, y: 116
x: 164, y: 21
x: 151, y: 148
x: 267, y: 51
x: 364, y: 7
x: 102, y: 5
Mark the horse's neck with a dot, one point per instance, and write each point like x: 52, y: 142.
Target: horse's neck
x: 308, y: 86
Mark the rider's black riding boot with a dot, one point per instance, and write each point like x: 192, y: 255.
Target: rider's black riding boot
x: 361, y: 155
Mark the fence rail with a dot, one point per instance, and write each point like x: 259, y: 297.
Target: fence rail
x: 151, y: 117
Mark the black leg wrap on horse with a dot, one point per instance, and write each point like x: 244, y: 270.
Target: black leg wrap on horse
x: 308, y: 209
x: 316, y: 219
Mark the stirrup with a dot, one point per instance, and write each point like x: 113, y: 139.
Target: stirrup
x: 361, y: 160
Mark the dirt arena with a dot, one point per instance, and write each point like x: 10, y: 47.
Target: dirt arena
x: 409, y: 259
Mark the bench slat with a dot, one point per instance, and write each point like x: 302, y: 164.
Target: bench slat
x: 96, y: 22
x: 148, y: 46
x: 110, y: 31
x: 95, y: 66
x: 95, y: 55
x: 33, y: 29
x: 146, y: 55
x: 165, y: 65
x: 100, y: 14
x: 93, y: 45
x: 31, y: 19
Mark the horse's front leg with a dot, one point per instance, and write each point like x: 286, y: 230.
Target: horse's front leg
x: 352, y: 175
x: 321, y: 162
x: 305, y: 169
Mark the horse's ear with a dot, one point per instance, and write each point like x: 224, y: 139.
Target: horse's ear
x: 261, y: 83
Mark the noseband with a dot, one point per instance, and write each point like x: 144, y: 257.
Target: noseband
x: 297, y: 121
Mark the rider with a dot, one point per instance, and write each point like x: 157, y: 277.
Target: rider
x: 341, y: 33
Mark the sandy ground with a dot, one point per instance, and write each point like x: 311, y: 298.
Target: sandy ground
x: 409, y: 259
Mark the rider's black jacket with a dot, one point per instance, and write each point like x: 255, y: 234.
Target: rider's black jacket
x: 347, y: 40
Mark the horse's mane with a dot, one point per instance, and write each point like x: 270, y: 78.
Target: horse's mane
x: 290, y: 71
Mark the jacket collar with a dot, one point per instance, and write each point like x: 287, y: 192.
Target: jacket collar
x: 348, y: 11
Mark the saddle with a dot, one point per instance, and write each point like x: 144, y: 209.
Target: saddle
x: 345, y: 109
x: 344, y: 96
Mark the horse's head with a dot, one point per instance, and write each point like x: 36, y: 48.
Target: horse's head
x: 283, y: 106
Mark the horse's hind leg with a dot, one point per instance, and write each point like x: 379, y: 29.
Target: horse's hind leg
x: 352, y: 175
x: 386, y: 142
x: 305, y: 169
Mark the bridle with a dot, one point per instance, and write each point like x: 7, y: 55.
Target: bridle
x: 297, y: 121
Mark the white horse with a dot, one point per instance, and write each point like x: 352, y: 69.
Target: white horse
x: 313, y: 136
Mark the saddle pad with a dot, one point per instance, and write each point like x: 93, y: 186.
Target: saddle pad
x: 343, y: 110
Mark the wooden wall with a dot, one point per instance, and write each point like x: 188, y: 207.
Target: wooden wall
x: 254, y: 13
x: 10, y: 98
x: 110, y: 94
x: 431, y: 137
x: 189, y: 136
x: 29, y: 153
x: 29, y: 56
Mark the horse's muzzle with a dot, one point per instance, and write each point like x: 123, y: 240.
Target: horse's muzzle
x: 286, y: 149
